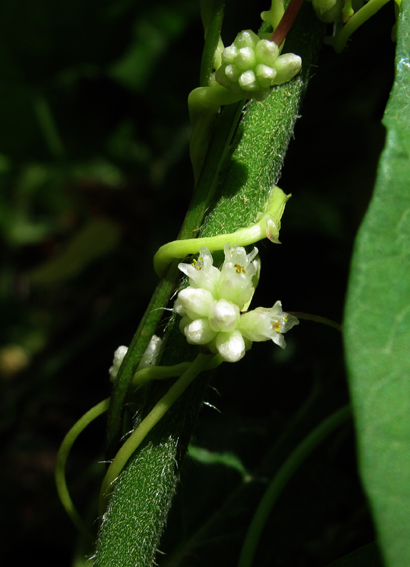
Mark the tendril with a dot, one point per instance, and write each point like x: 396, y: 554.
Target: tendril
x: 267, y: 227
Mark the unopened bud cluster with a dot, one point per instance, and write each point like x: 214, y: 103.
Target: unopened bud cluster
x: 252, y: 65
x: 212, y: 307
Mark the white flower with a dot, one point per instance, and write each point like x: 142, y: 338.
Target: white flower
x: 119, y: 355
x: 213, y: 306
x: 263, y: 324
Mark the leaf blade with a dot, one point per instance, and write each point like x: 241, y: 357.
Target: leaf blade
x: 377, y: 323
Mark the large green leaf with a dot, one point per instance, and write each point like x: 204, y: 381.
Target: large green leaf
x: 378, y: 325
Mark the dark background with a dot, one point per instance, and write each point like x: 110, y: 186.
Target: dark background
x: 94, y: 137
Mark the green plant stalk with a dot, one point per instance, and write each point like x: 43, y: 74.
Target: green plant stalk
x: 282, y: 477
x: 137, y: 512
x: 139, y: 434
x: 358, y: 19
x: 141, y: 377
x: 212, y: 12
x: 200, y: 202
x: 144, y: 490
x: 61, y: 460
x: 317, y: 319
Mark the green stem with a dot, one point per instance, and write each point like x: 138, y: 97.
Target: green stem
x: 275, y: 14
x: 204, y: 192
x: 62, y: 457
x: 204, y: 104
x: 282, y: 477
x: 212, y: 13
x: 359, y: 18
x: 159, y: 373
x: 286, y: 22
x: 317, y: 319
x: 200, y: 363
x: 140, y: 377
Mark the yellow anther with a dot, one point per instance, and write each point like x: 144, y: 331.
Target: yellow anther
x: 240, y: 269
x: 276, y: 326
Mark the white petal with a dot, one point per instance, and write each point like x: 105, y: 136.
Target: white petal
x: 236, y: 280
x: 262, y: 324
x: 194, y: 302
x: 178, y: 308
x: 184, y: 322
x: 255, y: 325
x: 119, y: 355
x: 223, y: 315
x: 231, y: 346
x: 199, y: 332
x: 201, y: 273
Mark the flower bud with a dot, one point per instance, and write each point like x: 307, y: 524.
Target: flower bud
x: 223, y: 315
x: 231, y: 346
x: 199, y: 332
x: 266, y: 52
x: 287, y: 66
x: 246, y: 38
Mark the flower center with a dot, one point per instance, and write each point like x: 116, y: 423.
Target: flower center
x: 240, y: 269
x: 197, y: 264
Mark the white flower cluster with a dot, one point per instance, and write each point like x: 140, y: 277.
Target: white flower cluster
x: 252, y: 65
x: 212, y: 306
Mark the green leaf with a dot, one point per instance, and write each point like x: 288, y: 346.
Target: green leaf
x: 94, y: 240
x: 366, y: 556
x: 378, y: 325
x: 225, y: 459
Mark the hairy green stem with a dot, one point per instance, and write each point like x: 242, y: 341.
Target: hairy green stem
x: 141, y: 377
x: 282, y: 477
x: 204, y: 192
x: 159, y: 410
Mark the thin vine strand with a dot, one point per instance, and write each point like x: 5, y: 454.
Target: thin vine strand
x: 282, y: 477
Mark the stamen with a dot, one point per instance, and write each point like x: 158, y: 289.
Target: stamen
x: 240, y: 269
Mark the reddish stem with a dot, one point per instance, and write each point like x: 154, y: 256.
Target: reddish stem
x: 286, y: 22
